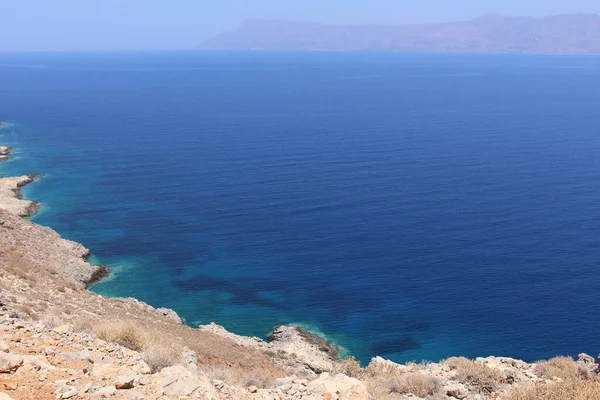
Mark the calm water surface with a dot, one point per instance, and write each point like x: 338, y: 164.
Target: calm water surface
x: 409, y: 206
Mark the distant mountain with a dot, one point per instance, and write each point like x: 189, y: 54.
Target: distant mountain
x: 560, y: 34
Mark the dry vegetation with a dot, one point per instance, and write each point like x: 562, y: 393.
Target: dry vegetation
x: 349, y: 366
x: 389, y: 383
x: 565, y: 390
x: 479, y: 376
x: 419, y: 383
x: 158, y: 358
x: 558, y: 367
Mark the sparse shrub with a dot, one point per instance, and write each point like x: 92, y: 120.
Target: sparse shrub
x: 483, y: 378
x: 124, y: 333
x: 219, y: 372
x: 419, y: 383
x: 158, y: 358
x: 563, y: 390
x: 377, y: 369
x: 52, y: 321
x: 350, y: 366
x: 557, y: 367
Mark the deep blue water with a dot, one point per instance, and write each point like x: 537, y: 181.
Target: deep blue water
x: 409, y: 206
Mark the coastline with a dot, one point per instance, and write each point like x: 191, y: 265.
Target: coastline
x: 45, y: 277
x: 315, y: 354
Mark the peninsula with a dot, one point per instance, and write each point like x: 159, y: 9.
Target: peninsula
x: 492, y: 33
x: 60, y: 340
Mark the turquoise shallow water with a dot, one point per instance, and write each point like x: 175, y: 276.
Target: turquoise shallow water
x: 414, y: 207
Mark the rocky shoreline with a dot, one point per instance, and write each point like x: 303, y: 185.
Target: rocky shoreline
x: 60, y: 340
x: 11, y: 199
x: 5, y: 153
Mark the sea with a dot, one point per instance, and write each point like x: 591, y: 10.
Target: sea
x: 409, y: 206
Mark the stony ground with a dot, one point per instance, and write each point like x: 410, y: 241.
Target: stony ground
x: 41, y: 363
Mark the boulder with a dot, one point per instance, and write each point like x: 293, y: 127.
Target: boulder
x: 456, y: 391
x: 124, y: 381
x: 177, y: 381
x: 76, y: 356
x: 71, y: 392
x: 9, y: 362
x: 107, y: 391
x: 343, y: 386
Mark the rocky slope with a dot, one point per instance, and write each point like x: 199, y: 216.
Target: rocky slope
x: 59, y: 340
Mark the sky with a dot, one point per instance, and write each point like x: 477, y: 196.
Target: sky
x: 101, y: 25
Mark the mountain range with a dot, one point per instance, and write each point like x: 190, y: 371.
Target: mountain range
x: 492, y: 33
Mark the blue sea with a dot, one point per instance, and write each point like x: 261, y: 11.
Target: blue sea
x: 410, y: 206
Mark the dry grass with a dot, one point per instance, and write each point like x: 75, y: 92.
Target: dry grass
x: 565, y: 390
x: 557, y: 367
x: 52, y: 321
x: 350, y: 366
x: 125, y: 333
x: 157, y: 351
x: 389, y: 382
x: 484, y: 379
x: 158, y: 358
x: 419, y: 383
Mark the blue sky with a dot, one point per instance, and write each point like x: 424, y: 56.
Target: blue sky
x: 66, y: 25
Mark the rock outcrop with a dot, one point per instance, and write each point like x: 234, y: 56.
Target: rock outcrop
x: 313, y: 352
x: 4, y: 153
